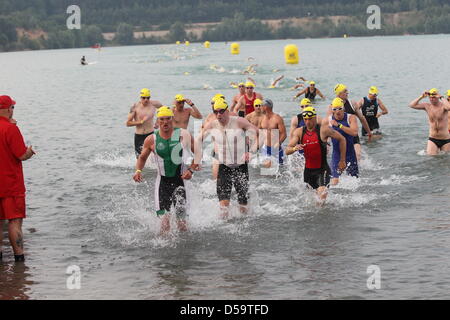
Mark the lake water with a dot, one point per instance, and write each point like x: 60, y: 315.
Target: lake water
x: 85, y: 210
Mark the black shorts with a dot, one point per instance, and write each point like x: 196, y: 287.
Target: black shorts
x: 227, y: 177
x: 171, y: 191
x: 438, y: 142
x: 317, y: 177
x: 139, y: 142
x: 356, y: 140
x: 241, y: 114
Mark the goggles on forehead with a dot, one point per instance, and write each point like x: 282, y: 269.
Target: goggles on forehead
x: 308, y: 114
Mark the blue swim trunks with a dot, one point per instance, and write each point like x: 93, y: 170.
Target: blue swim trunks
x: 267, y: 152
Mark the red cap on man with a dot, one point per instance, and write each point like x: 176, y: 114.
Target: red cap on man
x: 6, y: 102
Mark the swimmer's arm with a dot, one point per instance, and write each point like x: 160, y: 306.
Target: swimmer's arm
x: 147, y: 148
x: 415, y: 103
x: 446, y: 104
x: 251, y: 131
x: 131, y: 118
x: 353, y: 129
x: 294, y: 140
x: 326, y: 132
x: 157, y: 104
x: 282, y: 129
x: 320, y: 94
x: 198, y: 143
x: 238, y: 104
x: 294, y: 123
x: 329, y: 111
x: 384, y: 110
x: 259, y: 96
x: 300, y: 93
x: 363, y: 119
x: 195, y: 112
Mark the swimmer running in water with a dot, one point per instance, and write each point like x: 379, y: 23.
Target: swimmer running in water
x: 171, y: 147
x: 182, y: 114
x: 310, y: 92
x: 311, y: 138
x: 256, y: 116
x: 273, y: 133
x: 347, y: 126
x: 235, y: 137
x: 438, y: 112
x: 351, y: 107
x: 247, y: 100
x: 141, y: 116
x: 297, y: 121
x: 369, y: 108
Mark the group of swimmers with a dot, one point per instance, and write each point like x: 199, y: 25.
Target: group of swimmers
x: 248, y: 126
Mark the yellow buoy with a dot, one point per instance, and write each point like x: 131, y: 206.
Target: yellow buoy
x: 291, y: 54
x: 234, y: 48
x: 178, y: 42
x: 187, y: 43
x: 207, y: 44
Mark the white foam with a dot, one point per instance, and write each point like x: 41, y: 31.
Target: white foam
x: 120, y: 160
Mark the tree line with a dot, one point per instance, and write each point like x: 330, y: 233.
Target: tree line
x: 238, y: 20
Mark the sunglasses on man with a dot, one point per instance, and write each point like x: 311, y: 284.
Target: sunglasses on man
x: 308, y: 115
x: 337, y: 109
x: 145, y: 98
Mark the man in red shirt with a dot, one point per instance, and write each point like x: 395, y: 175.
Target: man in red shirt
x: 312, y: 139
x: 12, y: 187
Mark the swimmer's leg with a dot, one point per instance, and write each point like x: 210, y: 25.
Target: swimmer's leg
x: 432, y: 148
x: 446, y: 147
x: 358, y: 151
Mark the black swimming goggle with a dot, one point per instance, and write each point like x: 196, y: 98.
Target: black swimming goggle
x: 308, y: 114
x: 148, y: 98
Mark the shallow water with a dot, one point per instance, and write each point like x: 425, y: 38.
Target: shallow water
x: 88, y: 212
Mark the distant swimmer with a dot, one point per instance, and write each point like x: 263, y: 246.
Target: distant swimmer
x: 347, y: 125
x: 297, y: 121
x: 247, y: 100
x: 310, y: 92
x: 234, y: 137
x: 256, y: 116
x: 83, y: 61
x: 351, y: 107
x: 250, y: 69
x: 369, y: 108
x: 182, y: 114
x: 141, y: 116
x: 171, y: 147
x: 275, y: 82
x: 312, y: 139
x: 438, y: 112
x: 241, y: 111
x: 272, y: 135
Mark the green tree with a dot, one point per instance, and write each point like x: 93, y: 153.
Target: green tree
x: 177, y: 32
x: 124, y: 34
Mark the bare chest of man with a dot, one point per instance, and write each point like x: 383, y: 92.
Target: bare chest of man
x: 269, y: 124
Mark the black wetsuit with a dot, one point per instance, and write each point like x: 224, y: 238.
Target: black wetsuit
x: 370, y: 110
x: 139, y: 142
x: 311, y: 95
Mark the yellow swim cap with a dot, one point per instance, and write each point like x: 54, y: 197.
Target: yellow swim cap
x: 220, y: 104
x: 217, y: 96
x: 448, y: 92
x: 257, y: 102
x: 339, y: 88
x: 309, y: 112
x: 241, y: 84
x: 433, y: 91
x: 305, y: 102
x: 312, y: 82
x: 249, y: 84
x: 179, y: 98
x: 164, y: 111
x: 337, y: 102
x: 373, y: 90
x: 145, y: 93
